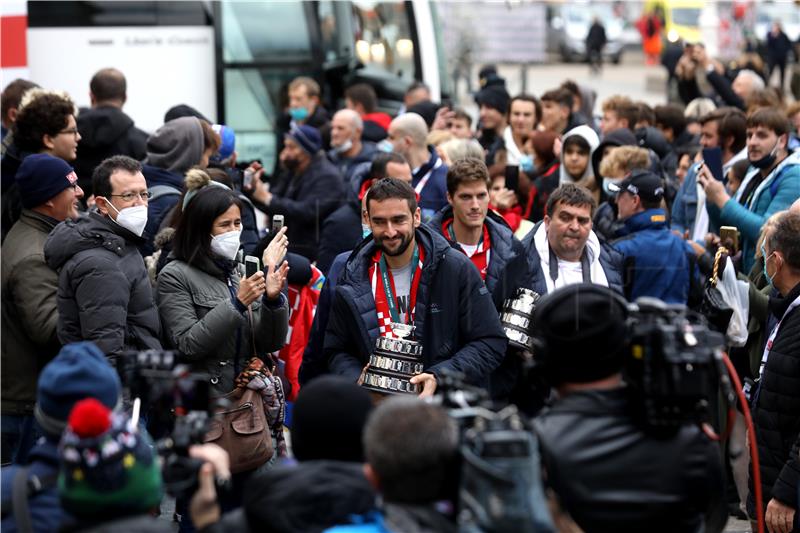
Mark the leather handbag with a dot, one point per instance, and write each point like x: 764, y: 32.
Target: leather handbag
x: 717, y: 312
x: 241, y: 429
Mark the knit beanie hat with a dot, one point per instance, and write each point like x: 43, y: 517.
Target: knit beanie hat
x: 328, y: 419
x: 307, y: 137
x: 582, y: 329
x: 108, y: 468
x: 79, y: 371
x: 177, y: 145
x: 494, y: 96
x: 40, y: 177
x: 227, y: 142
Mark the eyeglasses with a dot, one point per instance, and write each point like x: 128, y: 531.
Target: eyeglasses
x: 71, y: 131
x: 131, y: 196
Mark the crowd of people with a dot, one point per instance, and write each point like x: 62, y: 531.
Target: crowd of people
x: 118, y: 241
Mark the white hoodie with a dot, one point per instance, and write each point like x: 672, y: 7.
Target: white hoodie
x: 590, y: 136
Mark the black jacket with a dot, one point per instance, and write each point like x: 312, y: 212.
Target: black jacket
x: 611, y: 476
x: 306, y: 200
x: 507, y: 271
x: 11, y: 201
x: 455, y: 320
x: 104, y: 294
x: 596, y: 39
x: 341, y: 232
x: 105, y: 131
x: 776, y: 410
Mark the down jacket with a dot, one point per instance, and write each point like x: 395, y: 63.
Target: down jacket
x: 200, y: 319
x: 455, y: 320
x: 776, y: 410
x: 104, y: 293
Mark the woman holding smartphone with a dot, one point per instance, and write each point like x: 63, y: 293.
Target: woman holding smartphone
x: 215, y: 319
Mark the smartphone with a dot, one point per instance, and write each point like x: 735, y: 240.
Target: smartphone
x: 512, y: 177
x: 277, y: 222
x: 251, y: 266
x: 712, y: 158
x: 729, y: 234
x: 247, y: 179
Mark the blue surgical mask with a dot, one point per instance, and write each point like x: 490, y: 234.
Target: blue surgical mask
x: 606, y: 182
x: 298, y: 114
x: 366, y: 231
x: 764, y: 255
x: 385, y: 146
x: 526, y: 163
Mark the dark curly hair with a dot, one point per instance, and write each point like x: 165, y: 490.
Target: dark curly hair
x: 42, y: 113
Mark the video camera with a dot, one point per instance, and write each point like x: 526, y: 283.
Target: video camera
x: 674, y: 366
x: 500, y: 485
x: 177, y: 405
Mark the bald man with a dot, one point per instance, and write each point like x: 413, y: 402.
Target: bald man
x: 348, y: 152
x: 407, y: 134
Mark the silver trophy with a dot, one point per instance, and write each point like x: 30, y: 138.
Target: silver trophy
x: 517, y: 318
x: 395, y: 361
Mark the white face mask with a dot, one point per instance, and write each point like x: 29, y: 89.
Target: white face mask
x: 344, y: 147
x: 226, y: 245
x: 133, y: 218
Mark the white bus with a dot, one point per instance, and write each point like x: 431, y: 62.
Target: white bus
x: 231, y: 60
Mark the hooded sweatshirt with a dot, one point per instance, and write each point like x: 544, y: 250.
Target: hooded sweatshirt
x: 587, y: 178
x: 177, y: 145
x: 105, y: 131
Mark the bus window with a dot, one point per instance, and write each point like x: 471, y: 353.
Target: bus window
x: 383, y: 38
x: 264, y: 31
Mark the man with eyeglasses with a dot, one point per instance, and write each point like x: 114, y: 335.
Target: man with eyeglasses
x: 104, y: 293
x: 45, y: 125
x: 49, y: 192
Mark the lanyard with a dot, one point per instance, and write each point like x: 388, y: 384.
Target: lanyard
x: 452, y: 234
x: 388, y: 286
x: 585, y: 268
x: 421, y: 184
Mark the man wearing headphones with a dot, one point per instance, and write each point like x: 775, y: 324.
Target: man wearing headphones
x: 608, y: 473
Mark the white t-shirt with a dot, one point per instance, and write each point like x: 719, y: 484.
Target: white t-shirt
x: 469, y: 249
x: 569, y: 272
x: 402, y: 287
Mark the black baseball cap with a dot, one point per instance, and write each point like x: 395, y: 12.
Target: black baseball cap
x: 643, y: 183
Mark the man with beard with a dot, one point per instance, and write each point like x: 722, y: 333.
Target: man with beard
x: 309, y: 192
x: 772, y: 187
x: 410, y: 274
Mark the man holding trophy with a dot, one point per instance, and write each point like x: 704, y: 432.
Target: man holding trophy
x: 408, y: 306
x: 486, y: 239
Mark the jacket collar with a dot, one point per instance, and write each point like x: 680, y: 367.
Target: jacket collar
x: 38, y: 221
x: 648, y: 219
x: 427, y: 167
x: 779, y: 304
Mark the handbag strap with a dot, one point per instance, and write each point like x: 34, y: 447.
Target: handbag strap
x: 717, y: 258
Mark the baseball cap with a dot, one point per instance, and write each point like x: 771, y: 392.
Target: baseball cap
x: 643, y: 183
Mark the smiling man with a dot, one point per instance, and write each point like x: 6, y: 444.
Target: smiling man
x: 409, y: 274
x: 771, y: 186
x: 49, y: 191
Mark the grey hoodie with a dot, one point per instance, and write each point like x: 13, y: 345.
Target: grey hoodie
x: 177, y: 145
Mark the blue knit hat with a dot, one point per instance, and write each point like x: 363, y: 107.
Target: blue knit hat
x: 307, y: 137
x: 79, y: 371
x: 227, y: 145
x: 40, y: 177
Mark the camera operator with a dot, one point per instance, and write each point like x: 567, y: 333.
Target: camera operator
x: 608, y: 472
